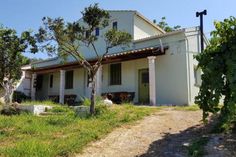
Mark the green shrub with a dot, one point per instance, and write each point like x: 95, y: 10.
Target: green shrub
x: 196, y: 149
x: 101, y: 109
x: 19, y: 97
x: 44, y: 102
x: 10, y: 110
x: 59, y: 109
x: 87, y: 102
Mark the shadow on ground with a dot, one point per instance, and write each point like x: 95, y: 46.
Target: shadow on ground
x: 175, y: 145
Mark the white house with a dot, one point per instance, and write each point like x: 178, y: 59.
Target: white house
x: 158, y: 67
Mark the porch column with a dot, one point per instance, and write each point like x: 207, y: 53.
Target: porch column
x: 33, y: 86
x: 62, y: 86
x: 152, y: 80
x: 99, y: 82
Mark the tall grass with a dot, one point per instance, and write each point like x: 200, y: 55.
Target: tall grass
x: 44, y: 102
x: 61, y: 134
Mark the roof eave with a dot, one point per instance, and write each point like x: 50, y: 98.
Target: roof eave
x: 159, y: 36
x: 150, y: 22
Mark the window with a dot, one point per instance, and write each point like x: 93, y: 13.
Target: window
x: 97, y: 31
x: 69, y: 79
x: 51, y: 81
x: 115, y: 74
x: 114, y: 25
x: 39, y: 82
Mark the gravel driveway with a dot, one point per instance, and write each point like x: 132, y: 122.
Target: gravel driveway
x: 163, y: 134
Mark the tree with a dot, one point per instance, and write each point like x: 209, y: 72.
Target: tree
x: 162, y: 24
x: 218, y: 64
x: 11, y: 58
x: 70, y: 36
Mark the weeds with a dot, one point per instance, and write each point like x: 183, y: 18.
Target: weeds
x: 61, y: 134
x: 196, y: 149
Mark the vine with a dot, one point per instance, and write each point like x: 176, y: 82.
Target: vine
x: 218, y: 64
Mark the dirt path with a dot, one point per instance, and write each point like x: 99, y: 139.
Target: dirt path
x: 161, y: 135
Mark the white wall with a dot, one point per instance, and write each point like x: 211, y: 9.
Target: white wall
x: 78, y: 84
x: 171, y: 83
x: 125, y: 23
x: 193, y: 48
x: 24, y: 84
x: 128, y: 21
x: 129, y: 73
x: 174, y: 71
x: 143, y: 29
x: 171, y: 72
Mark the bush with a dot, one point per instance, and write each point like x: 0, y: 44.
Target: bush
x: 85, y: 101
x: 196, y: 149
x: 59, y: 109
x: 11, y: 110
x: 19, y: 97
x: 100, y: 109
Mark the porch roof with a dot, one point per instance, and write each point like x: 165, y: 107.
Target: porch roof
x: 110, y: 58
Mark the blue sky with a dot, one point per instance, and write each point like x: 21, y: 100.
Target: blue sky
x: 27, y: 14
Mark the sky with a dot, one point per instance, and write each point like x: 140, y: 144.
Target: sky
x: 23, y: 15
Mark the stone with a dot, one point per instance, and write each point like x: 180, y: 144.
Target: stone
x: 82, y: 111
x: 35, y: 109
x: 107, y: 102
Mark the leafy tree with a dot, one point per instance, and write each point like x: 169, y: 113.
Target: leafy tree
x: 162, y: 24
x: 218, y: 64
x: 11, y: 58
x: 70, y: 36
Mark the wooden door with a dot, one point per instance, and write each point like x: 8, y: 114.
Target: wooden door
x: 143, y: 86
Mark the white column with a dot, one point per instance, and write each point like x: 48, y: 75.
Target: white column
x: 152, y: 80
x: 62, y: 86
x: 33, y: 86
x: 99, y: 82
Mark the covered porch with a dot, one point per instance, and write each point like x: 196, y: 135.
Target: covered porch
x: 62, y: 82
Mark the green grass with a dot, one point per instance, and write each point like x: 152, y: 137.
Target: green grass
x: 196, y: 149
x: 61, y: 134
x: 45, y: 102
x: 187, y: 108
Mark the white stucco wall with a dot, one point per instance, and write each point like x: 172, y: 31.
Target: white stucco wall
x: 142, y: 29
x: 128, y: 21
x: 124, y: 21
x: 78, y: 85
x: 24, y: 83
x: 129, y: 74
x: 171, y: 72
x: 174, y: 71
x: 193, y: 47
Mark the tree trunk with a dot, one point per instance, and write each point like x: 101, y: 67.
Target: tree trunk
x: 9, y: 88
x: 92, y: 99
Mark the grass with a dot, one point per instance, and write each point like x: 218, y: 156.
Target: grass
x: 187, y: 108
x: 61, y: 134
x: 196, y: 149
x: 45, y: 102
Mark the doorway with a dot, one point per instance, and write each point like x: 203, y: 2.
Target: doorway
x: 143, y: 86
